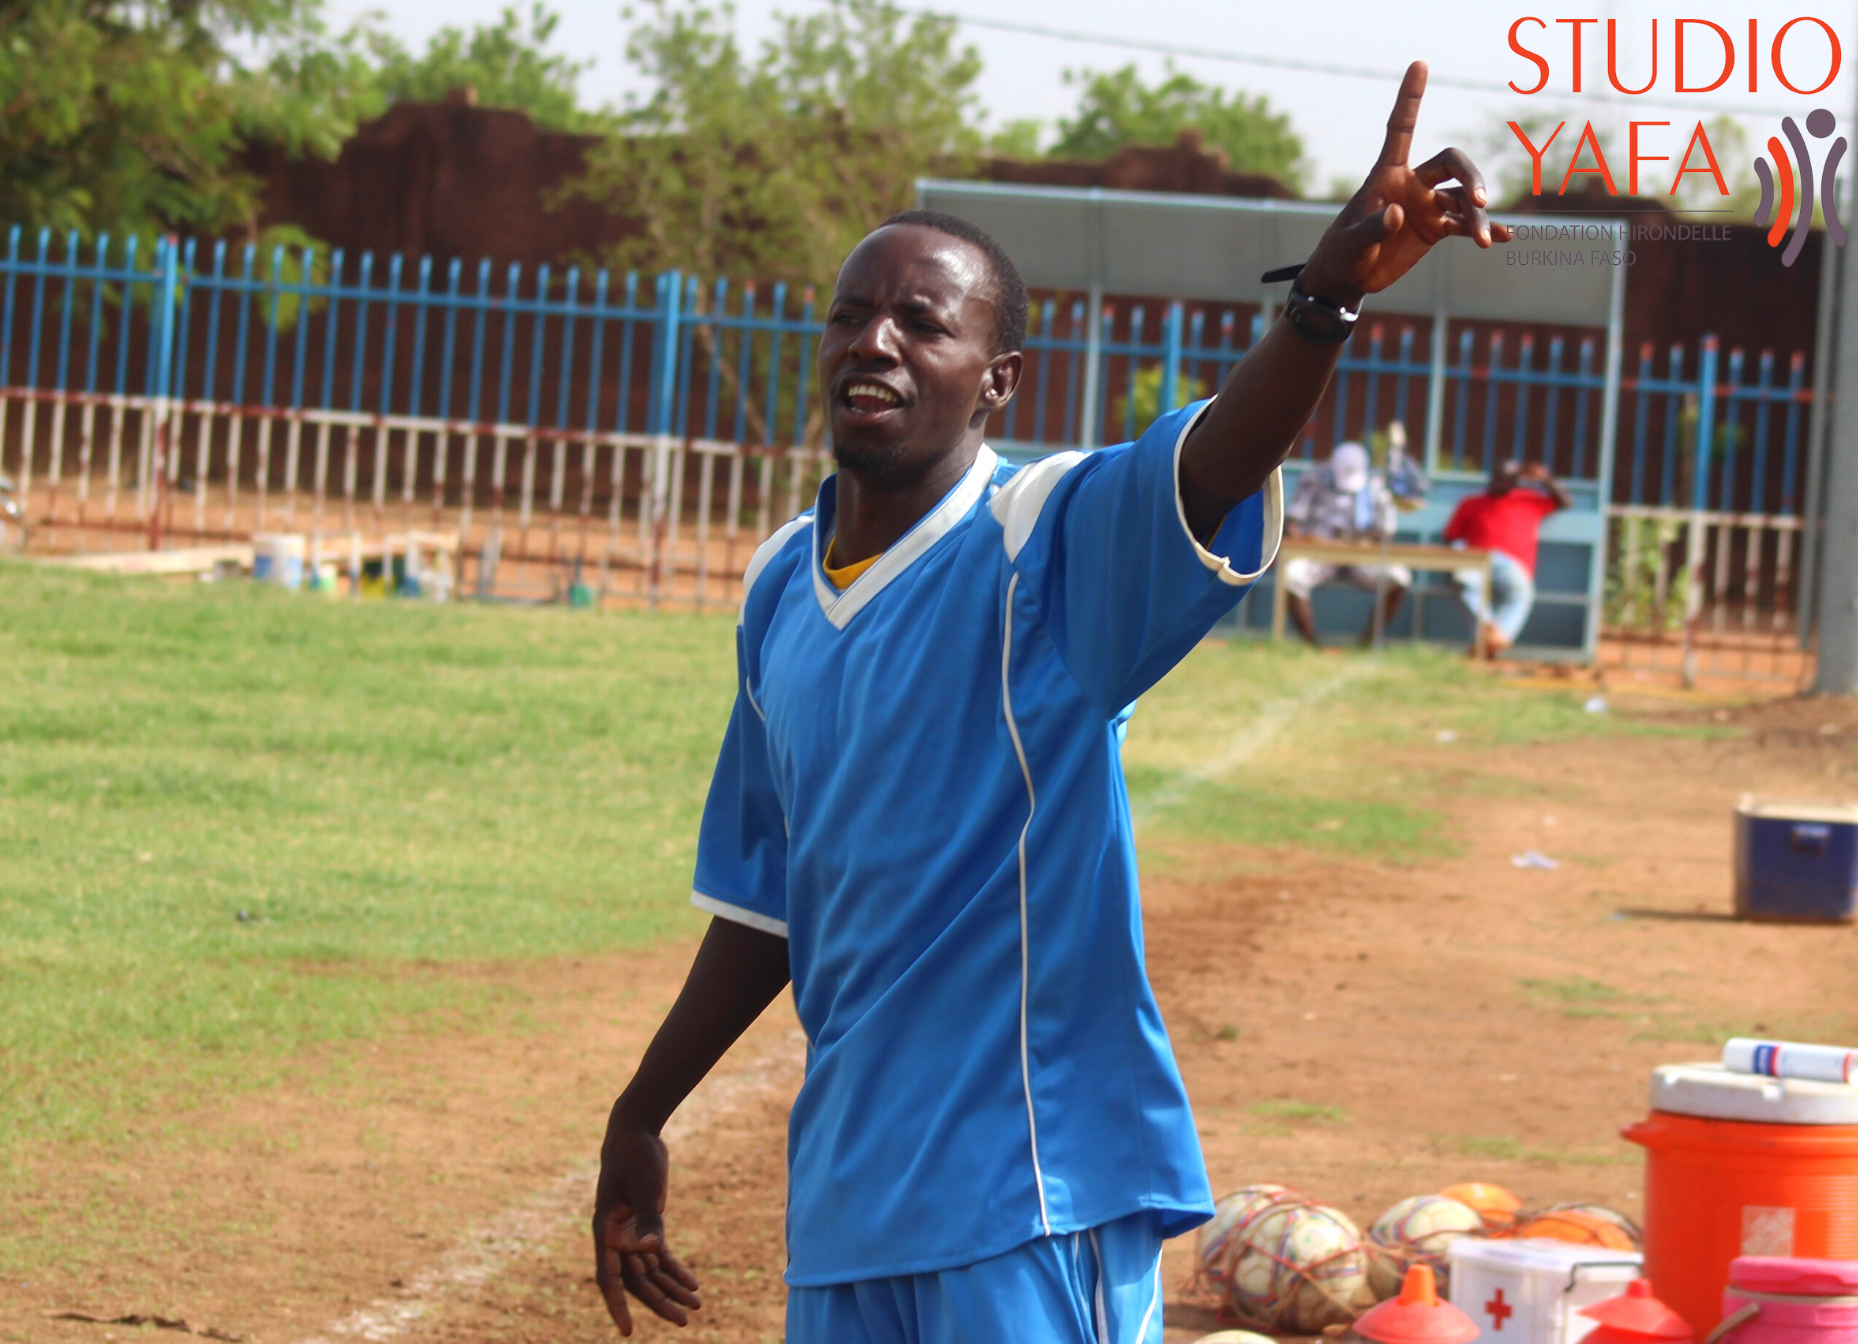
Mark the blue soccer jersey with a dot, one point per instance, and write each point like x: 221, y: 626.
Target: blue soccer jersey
x: 921, y: 789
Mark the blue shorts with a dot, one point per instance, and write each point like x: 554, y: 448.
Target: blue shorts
x: 1097, y: 1287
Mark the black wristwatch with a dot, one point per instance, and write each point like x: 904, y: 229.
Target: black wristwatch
x: 1317, y: 319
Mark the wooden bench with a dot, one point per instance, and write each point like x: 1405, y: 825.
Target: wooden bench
x: 1414, y: 555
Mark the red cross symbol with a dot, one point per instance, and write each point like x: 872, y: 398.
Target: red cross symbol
x: 1499, y: 1310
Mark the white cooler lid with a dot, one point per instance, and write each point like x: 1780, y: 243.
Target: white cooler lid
x: 1797, y: 809
x: 1526, y: 1253
x: 1711, y: 1092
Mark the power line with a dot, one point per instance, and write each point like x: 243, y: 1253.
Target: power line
x: 1290, y: 63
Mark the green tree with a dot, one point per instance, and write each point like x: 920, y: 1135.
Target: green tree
x: 1115, y: 108
x: 774, y: 166
x: 129, y: 115
x: 1146, y: 394
x: 1018, y: 139
x: 508, y: 64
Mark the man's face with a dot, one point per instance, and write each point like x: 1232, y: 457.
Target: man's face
x: 907, y: 365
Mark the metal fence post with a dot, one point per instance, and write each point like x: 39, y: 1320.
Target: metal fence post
x: 1806, y: 587
x: 663, y: 396
x: 1088, y: 434
x: 1171, y: 359
x: 6, y: 335
x: 1435, y: 391
x: 1699, y: 503
x: 1612, y: 371
x: 161, y: 377
x: 1835, y: 511
x: 1706, y: 426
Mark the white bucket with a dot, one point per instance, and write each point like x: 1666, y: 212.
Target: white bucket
x: 1531, y: 1290
x: 277, y: 557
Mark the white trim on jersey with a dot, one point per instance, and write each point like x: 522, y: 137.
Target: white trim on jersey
x: 766, y: 552
x: 1099, y: 1306
x: 1017, y: 504
x: 1154, y: 1302
x: 756, y: 563
x: 1273, y: 519
x: 1025, y: 949
x: 748, y: 694
x: 737, y: 914
x: 840, y: 607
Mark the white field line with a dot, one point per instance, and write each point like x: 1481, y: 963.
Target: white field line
x: 482, y: 1253
x: 1273, y: 717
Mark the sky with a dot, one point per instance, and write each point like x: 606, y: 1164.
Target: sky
x: 1339, y: 117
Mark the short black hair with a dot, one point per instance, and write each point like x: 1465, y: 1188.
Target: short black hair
x: 1010, y: 302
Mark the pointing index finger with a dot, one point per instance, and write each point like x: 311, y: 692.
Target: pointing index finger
x: 1404, y: 117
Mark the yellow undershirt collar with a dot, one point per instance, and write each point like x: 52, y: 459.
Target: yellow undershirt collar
x: 844, y: 578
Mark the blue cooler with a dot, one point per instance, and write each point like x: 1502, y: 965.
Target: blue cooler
x: 1796, y: 860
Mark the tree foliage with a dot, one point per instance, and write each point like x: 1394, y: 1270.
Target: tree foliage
x: 507, y: 63
x: 1017, y: 139
x: 1116, y: 109
x: 128, y: 115
x: 775, y: 165
x: 131, y: 116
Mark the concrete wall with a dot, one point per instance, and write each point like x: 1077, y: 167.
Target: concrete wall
x: 448, y: 179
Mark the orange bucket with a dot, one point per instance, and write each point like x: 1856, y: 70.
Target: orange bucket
x: 1734, y: 1183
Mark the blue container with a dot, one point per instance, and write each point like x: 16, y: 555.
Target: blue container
x: 1796, y: 861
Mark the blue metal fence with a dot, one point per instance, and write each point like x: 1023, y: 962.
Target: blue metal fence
x: 659, y: 425
x: 315, y: 391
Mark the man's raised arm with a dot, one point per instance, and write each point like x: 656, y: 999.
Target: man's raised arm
x: 1540, y: 474
x: 1389, y: 224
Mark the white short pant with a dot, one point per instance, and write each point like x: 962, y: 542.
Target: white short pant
x: 1301, y: 576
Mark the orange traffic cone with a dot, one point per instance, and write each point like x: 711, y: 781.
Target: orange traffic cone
x: 1417, y: 1316
x: 1636, y: 1318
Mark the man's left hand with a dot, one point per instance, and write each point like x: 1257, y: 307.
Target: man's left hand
x: 1400, y: 212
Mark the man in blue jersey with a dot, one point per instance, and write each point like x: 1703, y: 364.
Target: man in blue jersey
x: 919, y: 818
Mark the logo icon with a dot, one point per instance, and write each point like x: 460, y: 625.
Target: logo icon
x: 1819, y: 124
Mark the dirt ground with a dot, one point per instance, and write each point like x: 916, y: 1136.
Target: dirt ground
x: 1362, y: 1030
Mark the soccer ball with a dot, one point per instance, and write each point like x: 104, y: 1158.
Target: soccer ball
x: 1495, y: 1205
x: 1416, y: 1231
x: 1297, y: 1266
x: 1213, y: 1246
x: 1582, y: 1224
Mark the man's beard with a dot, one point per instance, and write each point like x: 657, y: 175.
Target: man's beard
x: 881, y: 467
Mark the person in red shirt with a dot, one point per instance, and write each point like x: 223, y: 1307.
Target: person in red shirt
x: 1505, y: 520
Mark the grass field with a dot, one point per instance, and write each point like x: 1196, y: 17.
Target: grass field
x: 327, y: 930
x: 238, y: 824
x: 1264, y: 746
